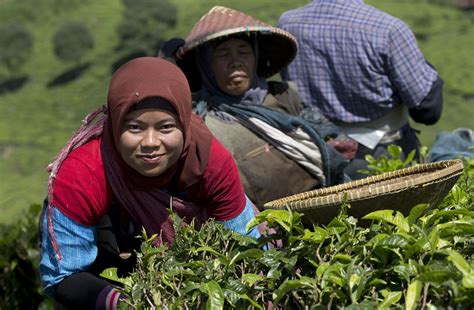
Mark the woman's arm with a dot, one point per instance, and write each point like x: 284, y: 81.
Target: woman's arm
x: 80, y: 198
x: 239, y: 223
x: 65, y: 278
x: 224, y: 194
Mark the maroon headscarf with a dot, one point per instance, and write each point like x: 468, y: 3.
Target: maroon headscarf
x: 139, y: 195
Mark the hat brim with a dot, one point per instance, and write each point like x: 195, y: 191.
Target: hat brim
x: 400, y: 190
x: 277, y: 49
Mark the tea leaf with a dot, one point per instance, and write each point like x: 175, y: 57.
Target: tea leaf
x: 111, y: 274
x: 390, y: 299
x: 413, y: 294
x: 468, y: 280
x: 316, y: 236
x: 215, y: 295
x: 416, y: 212
x: 437, y: 276
x: 207, y: 249
x: 353, y: 281
x: 393, y: 217
x: 459, y: 262
x: 251, y: 253
x: 290, y: 285
x: 251, y: 278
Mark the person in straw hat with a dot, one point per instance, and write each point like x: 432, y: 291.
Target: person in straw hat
x: 146, y: 153
x: 227, y: 56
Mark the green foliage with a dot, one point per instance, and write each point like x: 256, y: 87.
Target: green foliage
x: 425, y: 259
x: 144, y: 25
x: 71, y: 41
x: 19, y: 261
x: 384, y: 164
x: 38, y: 11
x: 16, y: 44
x: 35, y: 121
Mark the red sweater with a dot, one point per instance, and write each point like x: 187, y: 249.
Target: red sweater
x: 82, y: 193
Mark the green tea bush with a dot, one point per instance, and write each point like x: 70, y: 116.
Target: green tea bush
x: 71, y: 42
x: 144, y: 25
x: 423, y: 260
x: 19, y: 261
x: 16, y: 45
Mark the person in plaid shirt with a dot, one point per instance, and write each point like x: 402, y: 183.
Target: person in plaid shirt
x: 363, y: 70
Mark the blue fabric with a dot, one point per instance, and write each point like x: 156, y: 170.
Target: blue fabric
x: 452, y: 145
x: 355, y: 62
x: 239, y: 223
x: 77, y: 245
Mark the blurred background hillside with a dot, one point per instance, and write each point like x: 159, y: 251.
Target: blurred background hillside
x: 57, y: 56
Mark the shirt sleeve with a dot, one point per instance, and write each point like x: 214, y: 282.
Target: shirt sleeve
x: 429, y: 111
x: 222, y: 192
x: 239, y: 223
x: 409, y: 72
x: 77, y: 245
x: 80, y: 189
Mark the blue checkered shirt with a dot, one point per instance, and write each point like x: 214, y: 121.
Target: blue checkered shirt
x: 355, y: 62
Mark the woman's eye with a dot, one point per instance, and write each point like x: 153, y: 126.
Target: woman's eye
x: 133, y: 127
x: 166, y: 127
x: 220, y: 54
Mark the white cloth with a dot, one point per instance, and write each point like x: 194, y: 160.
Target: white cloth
x: 298, y: 146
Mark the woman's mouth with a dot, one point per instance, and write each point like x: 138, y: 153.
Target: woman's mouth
x: 151, y: 159
x: 238, y: 76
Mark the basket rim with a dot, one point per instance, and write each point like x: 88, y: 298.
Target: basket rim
x: 367, y: 188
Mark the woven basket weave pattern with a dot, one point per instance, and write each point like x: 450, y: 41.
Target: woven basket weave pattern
x: 398, y: 190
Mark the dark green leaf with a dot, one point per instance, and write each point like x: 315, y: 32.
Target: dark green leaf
x: 416, y: 212
x: 290, y: 285
x: 215, y: 295
x: 251, y: 253
x: 437, y: 276
x: 393, y: 217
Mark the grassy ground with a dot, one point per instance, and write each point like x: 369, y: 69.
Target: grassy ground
x: 36, y: 120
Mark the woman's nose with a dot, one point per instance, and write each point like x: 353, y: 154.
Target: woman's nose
x: 151, y: 139
x: 236, y: 62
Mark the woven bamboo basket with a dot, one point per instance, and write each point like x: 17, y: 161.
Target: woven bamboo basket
x: 398, y: 190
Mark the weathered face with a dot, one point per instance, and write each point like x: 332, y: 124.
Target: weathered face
x: 233, y: 64
x: 151, y: 141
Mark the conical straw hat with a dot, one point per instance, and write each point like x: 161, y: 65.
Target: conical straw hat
x: 398, y: 190
x: 277, y: 47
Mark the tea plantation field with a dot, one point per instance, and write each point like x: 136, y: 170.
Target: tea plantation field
x: 38, y: 117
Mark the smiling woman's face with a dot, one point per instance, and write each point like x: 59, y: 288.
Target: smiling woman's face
x: 151, y: 141
x: 233, y: 64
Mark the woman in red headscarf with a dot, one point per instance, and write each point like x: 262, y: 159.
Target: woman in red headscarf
x: 147, y: 153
